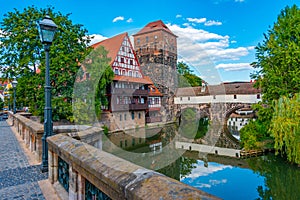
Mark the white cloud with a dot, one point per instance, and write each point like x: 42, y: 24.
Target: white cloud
x: 178, y: 16
x: 197, y: 20
x: 129, y: 20
x: 234, y: 66
x: 200, y: 170
x: 217, y: 182
x: 233, y: 41
x: 251, y: 48
x: 239, y: 1
x: 212, y: 23
x: 202, y: 50
x: 203, y: 185
x: 119, y: 18
x: 97, y: 38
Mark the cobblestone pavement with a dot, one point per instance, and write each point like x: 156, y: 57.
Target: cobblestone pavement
x: 18, y: 180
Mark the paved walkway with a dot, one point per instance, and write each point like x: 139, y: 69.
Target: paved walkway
x: 18, y: 179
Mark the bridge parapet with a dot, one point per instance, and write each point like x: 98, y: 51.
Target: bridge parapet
x: 90, y: 173
x: 31, y: 132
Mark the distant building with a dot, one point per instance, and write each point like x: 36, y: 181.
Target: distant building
x: 239, y: 119
x: 154, y: 102
x: 234, y: 92
x: 131, y: 96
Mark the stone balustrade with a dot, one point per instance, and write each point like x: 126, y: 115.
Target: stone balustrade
x: 32, y: 132
x: 86, y: 172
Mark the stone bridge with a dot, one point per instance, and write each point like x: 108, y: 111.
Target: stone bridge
x: 218, y: 113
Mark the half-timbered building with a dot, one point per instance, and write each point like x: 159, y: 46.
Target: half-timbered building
x: 128, y: 93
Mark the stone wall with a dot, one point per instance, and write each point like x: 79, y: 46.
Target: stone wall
x: 90, y: 168
x: 32, y: 131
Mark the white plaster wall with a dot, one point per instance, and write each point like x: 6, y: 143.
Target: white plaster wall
x: 240, y: 98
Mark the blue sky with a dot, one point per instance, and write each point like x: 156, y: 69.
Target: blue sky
x: 216, y: 37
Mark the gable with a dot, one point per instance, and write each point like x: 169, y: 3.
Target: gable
x: 125, y: 62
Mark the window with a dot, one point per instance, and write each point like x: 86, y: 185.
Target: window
x: 138, y: 40
x: 234, y: 96
x: 142, y: 101
x: 130, y: 73
x: 125, y: 143
x: 121, y: 143
x: 258, y: 96
x: 132, y: 115
x: 131, y: 62
x: 180, y: 98
x: 116, y: 71
x: 120, y: 117
x: 133, y: 141
x: 147, y: 39
x: 214, y: 96
x: 125, y: 117
x: 139, y: 115
x: 123, y: 48
x: 122, y: 60
x: 189, y: 98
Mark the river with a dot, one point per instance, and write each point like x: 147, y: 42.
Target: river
x: 264, y: 177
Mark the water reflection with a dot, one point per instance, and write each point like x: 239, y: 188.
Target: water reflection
x: 266, y: 177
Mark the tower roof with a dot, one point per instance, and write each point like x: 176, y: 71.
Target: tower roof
x: 112, y: 45
x: 154, y: 26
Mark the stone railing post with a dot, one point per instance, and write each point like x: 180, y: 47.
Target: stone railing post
x: 73, y: 184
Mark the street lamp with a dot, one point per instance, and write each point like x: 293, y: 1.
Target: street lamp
x: 14, y: 84
x: 47, y: 29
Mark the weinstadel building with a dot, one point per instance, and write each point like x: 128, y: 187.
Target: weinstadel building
x: 128, y: 94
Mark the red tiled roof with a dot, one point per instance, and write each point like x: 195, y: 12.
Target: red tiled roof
x: 154, y: 26
x: 153, y: 90
x: 132, y: 79
x: 112, y: 45
x: 224, y: 88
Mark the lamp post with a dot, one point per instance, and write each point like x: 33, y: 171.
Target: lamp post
x: 14, y: 84
x: 47, y: 30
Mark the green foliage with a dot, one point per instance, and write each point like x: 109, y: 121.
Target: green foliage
x: 90, y: 93
x: 285, y: 127
x: 186, y: 166
x: 202, y: 128
x: 21, y: 54
x: 280, y: 178
x: 1, y: 104
x: 186, y: 78
x: 278, y: 75
x: 254, y: 135
x: 105, y: 130
x: 191, y: 126
x: 278, y: 72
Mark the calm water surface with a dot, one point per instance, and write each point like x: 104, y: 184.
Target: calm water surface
x: 266, y: 177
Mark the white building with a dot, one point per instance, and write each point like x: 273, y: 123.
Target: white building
x: 235, y: 92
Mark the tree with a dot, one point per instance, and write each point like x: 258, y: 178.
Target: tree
x: 1, y: 104
x: 278, y: 76
x: 90, y: 92
x: 186, y: 78
x: 22, y: 55
x: 285, y: 127
x: 278, y: 57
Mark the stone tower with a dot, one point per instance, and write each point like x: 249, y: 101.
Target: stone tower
x: 156, y: 49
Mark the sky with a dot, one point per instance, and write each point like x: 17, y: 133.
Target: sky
x: 217, y: 38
